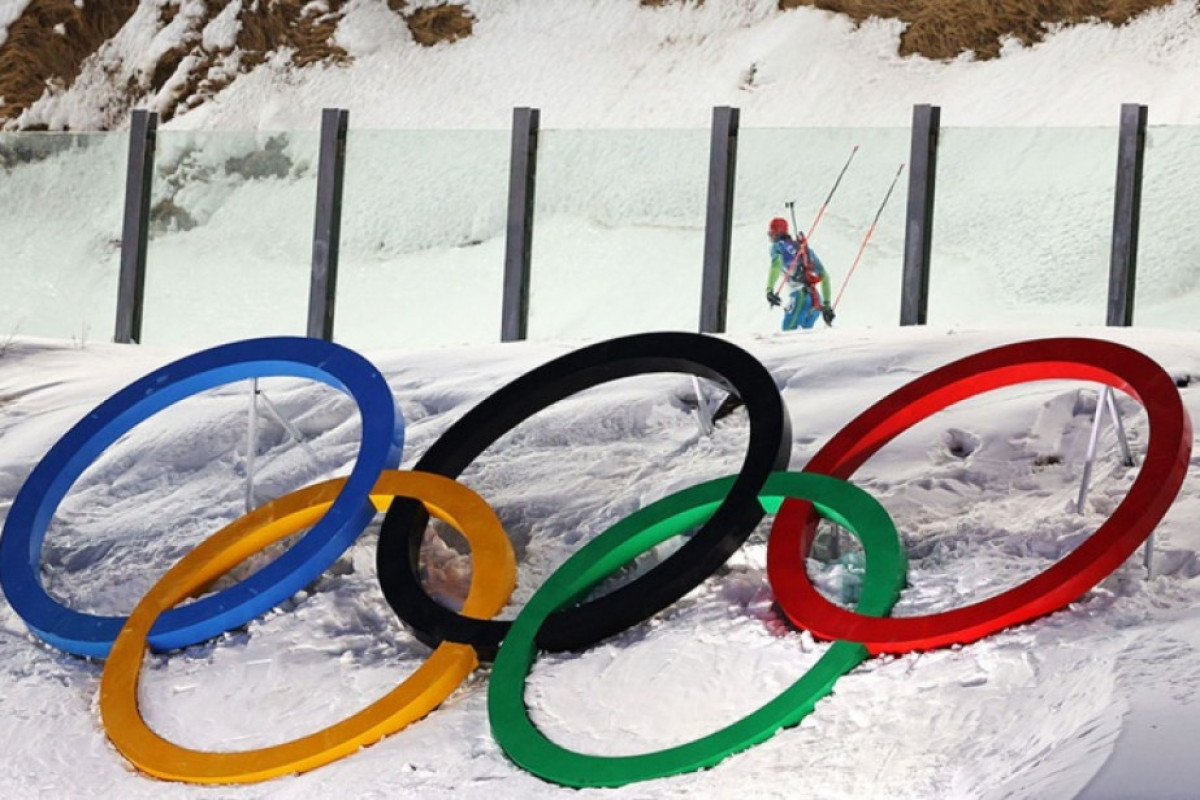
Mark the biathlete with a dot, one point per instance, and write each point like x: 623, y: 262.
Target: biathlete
x: 797, y: 261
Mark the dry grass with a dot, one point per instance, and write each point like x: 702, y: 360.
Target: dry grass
x: 445, y: 22
x: 270, y: 26
x: 944, y: 29
x: 266, y: 26
x: 35, y: 55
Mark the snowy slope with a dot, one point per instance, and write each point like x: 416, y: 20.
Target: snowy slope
x: 616, y: 64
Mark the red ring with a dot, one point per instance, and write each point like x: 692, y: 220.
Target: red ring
x: 1152, y: 493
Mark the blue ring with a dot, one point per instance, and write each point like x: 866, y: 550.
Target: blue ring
x: 35, y: 503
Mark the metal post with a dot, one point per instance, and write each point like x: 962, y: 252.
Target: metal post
x: 143, y: 130
x: 918, y: 233
x: 289, y: 428
x: 703, y: 412
x: 327, y: 229
x: 522, y: 181
x: 1105, y: 402
x: 718, y: 226
x: 1127, y: 210
x: 1128, y: 460
x: 251, y: 443
x: 1091, y: 451
x: 1122, y: 439
x: 257, y: 394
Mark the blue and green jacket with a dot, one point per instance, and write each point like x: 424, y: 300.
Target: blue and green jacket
x: 783, y: 258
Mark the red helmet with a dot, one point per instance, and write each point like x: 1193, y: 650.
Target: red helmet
x: 778, y: 227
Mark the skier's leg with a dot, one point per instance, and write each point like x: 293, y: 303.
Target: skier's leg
x: 791, y: 311
x: 807, y: 315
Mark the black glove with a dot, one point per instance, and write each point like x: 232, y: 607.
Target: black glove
x: 772, y: 299
x: 827, y: 315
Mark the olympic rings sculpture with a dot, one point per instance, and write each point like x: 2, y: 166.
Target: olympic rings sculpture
x: 723, y: 512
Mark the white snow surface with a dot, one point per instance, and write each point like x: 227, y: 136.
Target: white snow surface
x: 1097, y: 701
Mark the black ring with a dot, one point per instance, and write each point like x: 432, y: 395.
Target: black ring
x: 711, y: 546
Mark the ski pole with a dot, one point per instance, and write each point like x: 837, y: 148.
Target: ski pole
x: 867, y: 238
x: 836, y: 183
x: 791, y: 206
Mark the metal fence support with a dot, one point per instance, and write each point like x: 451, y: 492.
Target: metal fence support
x: 1127, y: 211
x: 918, y: 233
x: 143, y: 130
x: 718, y: 226
x: 327, y: 229
x: 522, y: 181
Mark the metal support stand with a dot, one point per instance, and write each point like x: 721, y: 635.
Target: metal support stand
x: 1106, y: 402
x: 703, y: 412
x: 291, y: 429
x: 251, y: 441
x: 829, y: 535
x: 1148, y: 556
x: 252, y: 436
x: 1126, y: 454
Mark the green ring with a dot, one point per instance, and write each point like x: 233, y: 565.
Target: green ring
x: 525, y: 745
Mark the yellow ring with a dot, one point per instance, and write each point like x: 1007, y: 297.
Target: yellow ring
x: 493, y: 577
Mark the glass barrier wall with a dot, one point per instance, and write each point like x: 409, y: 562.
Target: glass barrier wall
x: 231, y: 225
x: 618, y: 236
x: 423, y: 237
x: 778, y: 167
x: 1168, y: 267
x: 61, y: 200
x: 1022, y: 231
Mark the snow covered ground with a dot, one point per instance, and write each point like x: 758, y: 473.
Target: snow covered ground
x: 1097, y: 701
